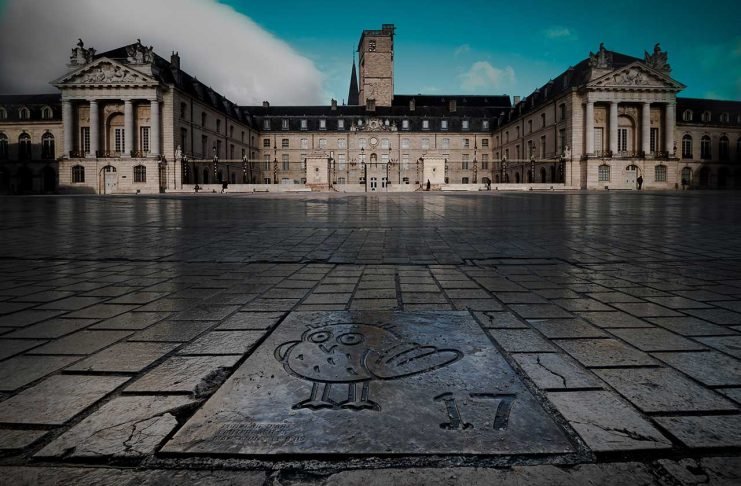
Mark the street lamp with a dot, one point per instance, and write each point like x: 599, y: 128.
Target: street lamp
x: 475, y: 171
x: 532, y: 168
x: 275, y: 170
x: 504, y: 169
x: 216, y: 164
x: 244, y: 169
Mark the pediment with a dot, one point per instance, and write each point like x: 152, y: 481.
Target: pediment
x: 105, y: 72
x: 638, y: 76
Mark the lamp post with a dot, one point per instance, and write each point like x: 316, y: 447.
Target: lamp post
x: 244, y: 169
x: 275, y: 170
x: 561, y: 167
x: 532, y: 168
x: 475, y: 171
x: 504, y: 169
x: 186, y: 169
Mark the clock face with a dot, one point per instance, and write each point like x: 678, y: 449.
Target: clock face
x: 373, y: 141
x: 372, y: 46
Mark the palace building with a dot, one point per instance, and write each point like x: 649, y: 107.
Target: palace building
x: 130, y: 121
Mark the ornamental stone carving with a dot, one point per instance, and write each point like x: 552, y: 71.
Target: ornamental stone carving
x: 631, y: 77
x: 109, y: 73
x: 374, y: 125
x: 139, y: 54
x: 81, y: 56
x: 601, y: 60
x: 658, y: 60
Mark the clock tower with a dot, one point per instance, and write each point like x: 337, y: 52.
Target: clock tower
x: 376, y: 56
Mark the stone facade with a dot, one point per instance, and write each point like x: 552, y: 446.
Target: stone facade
x: 129, y: 121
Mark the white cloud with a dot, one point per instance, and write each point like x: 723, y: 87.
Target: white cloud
x: 221, y: 47
x: 462, y: 49
x: 483, y: 76
x: 560, y: 32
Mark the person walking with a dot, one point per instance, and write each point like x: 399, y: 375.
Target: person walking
x: 224, y: 185
x: 428, y: 184
x: 639, y: 181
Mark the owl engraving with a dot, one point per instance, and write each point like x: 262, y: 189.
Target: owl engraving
x: 352, y: 354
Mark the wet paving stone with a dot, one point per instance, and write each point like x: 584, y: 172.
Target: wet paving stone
x: 498, y: 320
x: 704, y: 431
x: 102, y: 311
x: 566, y: 328
x: 82, y: 342
x: 726, y: 344
x: 29, y: 316
x: 663, y: 390
x: 124, y: 427
x: 656, y: 339
x: 57, y: 399
x: 172, y: 331
x: 604, y: 353
x: 11, y: 347
x: 22, y: 370
x: 185, y: 374
x: 89, y: 476
x: 51, y: 329
x: 223, y: 342
x: 716, y: 316
x: 132, y: 320
x: 521, y: 340
x: 613, y: 319
x: 126, y: 357
x: 605, y: 423
x: 540, y: 311
x: 691, y: 326
x: 349, y: 382
x: 710, y: 368
x: 11, y: 439
x: 646, y: 310
x: 553, y: 371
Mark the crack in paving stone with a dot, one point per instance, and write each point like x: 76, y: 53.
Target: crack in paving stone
x: 563, y: 380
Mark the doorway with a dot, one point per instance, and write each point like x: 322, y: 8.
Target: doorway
x: 110, y: 179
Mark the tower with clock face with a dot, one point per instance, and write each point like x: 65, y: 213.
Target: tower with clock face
x: 376, y: 56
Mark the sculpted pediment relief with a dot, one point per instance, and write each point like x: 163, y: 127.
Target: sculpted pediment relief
x: 636, y: 75
x: 105, y: 71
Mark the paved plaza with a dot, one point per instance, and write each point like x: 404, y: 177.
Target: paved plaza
x: 324, y: 338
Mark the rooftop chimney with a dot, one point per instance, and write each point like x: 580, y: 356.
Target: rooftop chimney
x: 515, y: 100
x: 412, y: 105
x: 452, y: 106
x: 334, y: 104
x: 266, y: 104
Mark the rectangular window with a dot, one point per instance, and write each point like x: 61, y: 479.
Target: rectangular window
x: 445, y: 143
x: 484, y: 161
x: 622, y: 139
x: 218, y: 148
x: 304, y: 144
x: 562, y: 141
x: 466, y: 143
x: 443, y: 124
x: 140, y: 174
x: 384, y: 158
x: 562, y: 112
x: 285, y: 163
x: 603, y: 174
x: 464, y: 180
x: 405, y: 124
x: 464, y: 124
x: 266, y: 143
x: 529, y: 126
x: 284, y: 143
x: 322, y: 143
x: 362, y: 143
x: 144, y: 140
x: 654, y: 140
x: 660, y: 173
x: 266, y: 124
x: 341, y: 143
x: 341, y: 161
x: 284, y: 124
x: 598, y: 140
x: 425, y: 124
x: 405, y: 162
x: 183, y: 110
x: 204, y: 145
x: 267, y: 163
x: 542, y: 120
x: 85, y: 139
x: 340, y: 124
x: 340, y: 180
x: 542, y: 147
x: 304, y: 124
x: 464, y: 163
x: 484, y: 143
x: 118, y: 140
x: 322, y: 124
x: 78, y: 174
x: 385, y: 143
x: 485, y: 125
x: 231, y: 151
x: 183, y: 139
x: 218, y: 126
x: 405, y: 143
x: 425, y: 143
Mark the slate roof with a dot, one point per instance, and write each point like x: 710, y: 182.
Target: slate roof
x: 716, y: 107
x: 34, y: 102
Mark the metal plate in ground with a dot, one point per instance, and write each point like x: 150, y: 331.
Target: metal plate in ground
x: 372, y: 383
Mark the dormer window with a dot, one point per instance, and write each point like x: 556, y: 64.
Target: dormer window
x: 485, y: 124
x: 322, y: 124
x: 340, y: 124
x: 706, y: 117
x: 284, y: 124
x: 443, y: 124
x: 687, y: 115
x: 724, y: 118
x: 405, y: 124
x: 3, y: 114
x: 24, y: 113
x: 425, y: 124
x: 46, y: 113
x: 218, y: 126
x: 266, y: 124
x: 464, y: 124
x: 304, y: 124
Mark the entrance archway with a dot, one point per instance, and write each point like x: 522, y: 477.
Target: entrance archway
x: 48, y: 180
x: 704, y: 177
x: 109, y: 179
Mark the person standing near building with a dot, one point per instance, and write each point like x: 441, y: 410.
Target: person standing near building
x: 639, y: 181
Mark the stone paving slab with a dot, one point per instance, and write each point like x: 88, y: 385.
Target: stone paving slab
x: 57, y: 399
x: 94, y: 476
x: 126, y: 357
x: 22, y: 370
x: 552, y: 371
x: 298, y: 392
x: 124, y: 427
x: 705, y: 431
x: 604, y: 353
x: 18, y: 438
x: 710, y: 368
x: 185, y: 374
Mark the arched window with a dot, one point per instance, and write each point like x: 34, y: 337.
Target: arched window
x: 706, y: 116
x: 78, y: 174
x: 723, y: 148
x: 4, y: 146
x: 24, y: 147
x: 47, y: 146
x: 3, y: 114
x: 687, y: 147
x: 24, y: 113
x: 705, y: 152
x: 686, y: 176
x: 724, y: 118
x: 603, y: 173
x: 687, y: 115
x: 660, y: 173
x: 140, y: 173
x: 46, y: 113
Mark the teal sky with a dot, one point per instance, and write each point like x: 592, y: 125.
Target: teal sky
x: 478, y: 47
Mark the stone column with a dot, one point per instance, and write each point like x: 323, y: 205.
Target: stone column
x: 154, y: 131
x: 670, y: 122
x: 128, y: 128
x: 614, y: 127
x: 68, y: 126
x: 94, y: 128
x: 589, y: 127
x: 646, y: 128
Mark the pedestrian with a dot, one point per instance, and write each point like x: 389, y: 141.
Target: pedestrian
x: 197, y: 188
x: 224, y: 185
x: 684, y: 183
x: 428, y: 184
x: 639, y: 181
